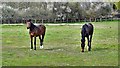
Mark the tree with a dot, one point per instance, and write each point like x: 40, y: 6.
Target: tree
x: 55, y: 10
x: 117, y: 5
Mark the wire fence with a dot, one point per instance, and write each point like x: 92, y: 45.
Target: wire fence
x: 17, y: 21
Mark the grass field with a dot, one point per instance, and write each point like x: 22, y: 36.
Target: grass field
x: 61, y: 46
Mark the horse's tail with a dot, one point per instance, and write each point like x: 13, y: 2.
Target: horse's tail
x: 92, y: 27
x: 44, y: 27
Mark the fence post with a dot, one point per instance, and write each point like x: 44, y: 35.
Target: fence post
x: 67, y: 20
x: 54, y: 20
x: 100, y: 19
x: 42, y: 21
x: 95, y: 20
x: 84, y: 19
x: 90, y: 19
x: 106, y: 18
x: 35, y: 20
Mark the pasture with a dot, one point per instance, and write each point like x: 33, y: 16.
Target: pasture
x: 61, y: 46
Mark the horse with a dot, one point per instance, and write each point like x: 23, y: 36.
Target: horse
x: 36, y: 31
x: 87, y: 31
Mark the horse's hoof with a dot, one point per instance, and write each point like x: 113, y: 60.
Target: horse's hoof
x: 41, y: 47
x: 89, y: 49
x: 34, y: 48
x: 82, y: 51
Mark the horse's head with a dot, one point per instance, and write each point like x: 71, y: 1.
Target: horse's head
x: 28, y: 23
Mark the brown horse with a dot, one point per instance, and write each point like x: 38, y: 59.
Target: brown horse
x: 87, y: 31
x: 36, y: 31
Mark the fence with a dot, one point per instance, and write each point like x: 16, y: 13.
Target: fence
x: 12, y: 21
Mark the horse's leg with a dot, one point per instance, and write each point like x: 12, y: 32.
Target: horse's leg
x: 83, y: 44
x: 31, y: 42
x: 90, y: 43
x: 40, y: 37
x: 42, y: 40
x: 34, y: 43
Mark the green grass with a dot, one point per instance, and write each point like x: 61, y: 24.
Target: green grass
x: 61, y: 46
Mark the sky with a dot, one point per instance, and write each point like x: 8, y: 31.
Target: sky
x: 60, y: 0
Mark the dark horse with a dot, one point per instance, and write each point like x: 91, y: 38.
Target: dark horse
x: 87, y: 31
x: 36, y: 31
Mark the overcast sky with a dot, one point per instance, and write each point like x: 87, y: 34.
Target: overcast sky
x: 60, y: 0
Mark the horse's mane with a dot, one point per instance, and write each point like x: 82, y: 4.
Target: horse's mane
x: 32, y: 26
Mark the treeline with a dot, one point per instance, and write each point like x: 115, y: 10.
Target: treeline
x: 18, y: 12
